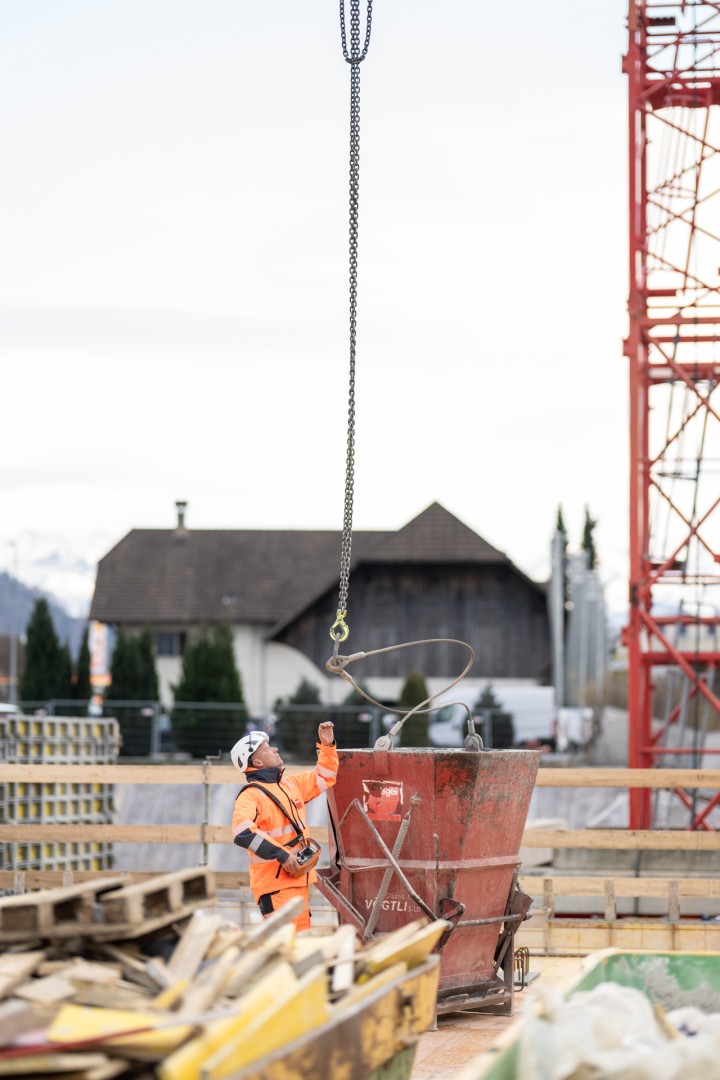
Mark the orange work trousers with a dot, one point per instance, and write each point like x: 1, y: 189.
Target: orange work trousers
x: 283, y: 897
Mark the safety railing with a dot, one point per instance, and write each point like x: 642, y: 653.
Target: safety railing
x: 574, y: 912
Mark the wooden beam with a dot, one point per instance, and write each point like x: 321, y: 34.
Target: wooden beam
x: 196, y: 773
x: 658, y: 888
x: 51, y: 879
x: 128, y: 774
x: 629, y: 778
x: 622, y: 839
x: 579, y: 937
x: 593, y: 839
x: 130, y: 834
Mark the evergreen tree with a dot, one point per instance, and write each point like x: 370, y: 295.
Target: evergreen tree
x: 148, y: 687
x: 45, y: 673
x: 414, y: 731
x: 133, y: 678
x: 355, y: 729
x: 356, y: 698
x: 502, y: 728
x: 588, y: 539
x: 81, y: 688
x: 66, y: 677
x: 209, y: 674
x: 306, y: 694
x: 560, y: 527
x: 125, y: 670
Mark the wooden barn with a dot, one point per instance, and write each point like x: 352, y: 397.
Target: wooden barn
x: 278, y: 589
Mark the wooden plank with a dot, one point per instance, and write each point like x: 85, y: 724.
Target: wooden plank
x: 53, y: 1064
x: 629, y: 778
x: 123, y: 995
x: 148, y: 973
x: 578, y: 937
x: 85, y: 972
x: 623, y: 839
x: 620, y: 839
x: 227, y: 774
x: 16, y: 967
x: 121, y: 834
x: 674, y: 901
x: 129, y: 774
x: 610, y: 907
x: 701, y: 888
x: 48, y: 879
x: 192, y: 947
x: 210, y: 985
x: 130, y: 834
x: 17, y: 1017
x: 48, y: 991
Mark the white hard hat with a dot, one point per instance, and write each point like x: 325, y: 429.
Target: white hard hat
x: 244, y: 748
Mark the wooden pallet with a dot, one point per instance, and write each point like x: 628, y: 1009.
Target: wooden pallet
x: 106, y: 909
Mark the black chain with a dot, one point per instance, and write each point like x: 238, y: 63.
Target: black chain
x: 354, y: 57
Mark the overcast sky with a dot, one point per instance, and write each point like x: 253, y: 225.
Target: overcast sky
x: 173, y: 278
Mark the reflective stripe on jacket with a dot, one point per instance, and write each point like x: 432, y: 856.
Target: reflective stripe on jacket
x: 260, y: 827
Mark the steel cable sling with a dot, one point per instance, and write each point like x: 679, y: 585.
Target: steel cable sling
x: 354, y: 56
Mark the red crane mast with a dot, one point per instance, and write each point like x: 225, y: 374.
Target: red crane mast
x: 673, y: 348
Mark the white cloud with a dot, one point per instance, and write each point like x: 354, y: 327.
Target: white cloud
x: 174, y: 275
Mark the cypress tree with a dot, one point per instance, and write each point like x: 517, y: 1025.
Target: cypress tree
x: 560, y: 527
x: 65, y: 673
x: 209, y: 674
x: 502, y: 728
x: 81, y: 688
x: 133, y: 676
x: 44, y: 675
x: 148, y: 689
x: 126, y: 684
x: 414, y: 731
x: 560, y: 524
x: 125, y: 670
x: 588, y: 539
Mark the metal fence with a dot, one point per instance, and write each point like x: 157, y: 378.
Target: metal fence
x: 199, y: 730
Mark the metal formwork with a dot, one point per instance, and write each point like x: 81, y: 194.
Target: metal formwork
x: 37, y: 740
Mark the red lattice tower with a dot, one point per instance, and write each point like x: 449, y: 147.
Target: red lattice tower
x: 673, y: 68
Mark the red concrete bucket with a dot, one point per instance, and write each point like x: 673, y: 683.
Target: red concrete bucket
x: 435, y: 832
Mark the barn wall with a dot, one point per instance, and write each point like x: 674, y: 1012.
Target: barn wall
x: 493, y: 608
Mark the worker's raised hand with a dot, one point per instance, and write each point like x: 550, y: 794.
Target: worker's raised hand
x: 326, y: 733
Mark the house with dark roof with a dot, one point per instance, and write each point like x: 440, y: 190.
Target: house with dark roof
x: 434, y: 578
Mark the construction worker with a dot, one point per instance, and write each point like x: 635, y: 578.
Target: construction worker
x: 269, y: 819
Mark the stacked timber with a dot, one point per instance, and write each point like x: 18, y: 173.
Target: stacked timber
x: 104, y: 979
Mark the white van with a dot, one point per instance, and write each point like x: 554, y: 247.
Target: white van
x: 532, y: 709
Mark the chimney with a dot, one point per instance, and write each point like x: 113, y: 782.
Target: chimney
x: 181, y: 533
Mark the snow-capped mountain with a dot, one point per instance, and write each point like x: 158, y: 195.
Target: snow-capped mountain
x: 55, y: 566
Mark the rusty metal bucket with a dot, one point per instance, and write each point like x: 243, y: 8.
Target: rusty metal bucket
x: 436, y: 832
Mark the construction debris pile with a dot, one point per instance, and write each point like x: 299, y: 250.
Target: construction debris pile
x: 104, y: 979
x: 615, y: 1032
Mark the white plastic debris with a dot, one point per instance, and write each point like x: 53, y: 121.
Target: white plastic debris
x: 614, y: 1032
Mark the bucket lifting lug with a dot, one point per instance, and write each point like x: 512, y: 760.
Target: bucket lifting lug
x: 452, y: 914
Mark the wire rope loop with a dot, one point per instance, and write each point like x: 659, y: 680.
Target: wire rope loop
x: 336, y: 665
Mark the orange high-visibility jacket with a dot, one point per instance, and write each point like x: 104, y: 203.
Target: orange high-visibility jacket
x: 260, y: 827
